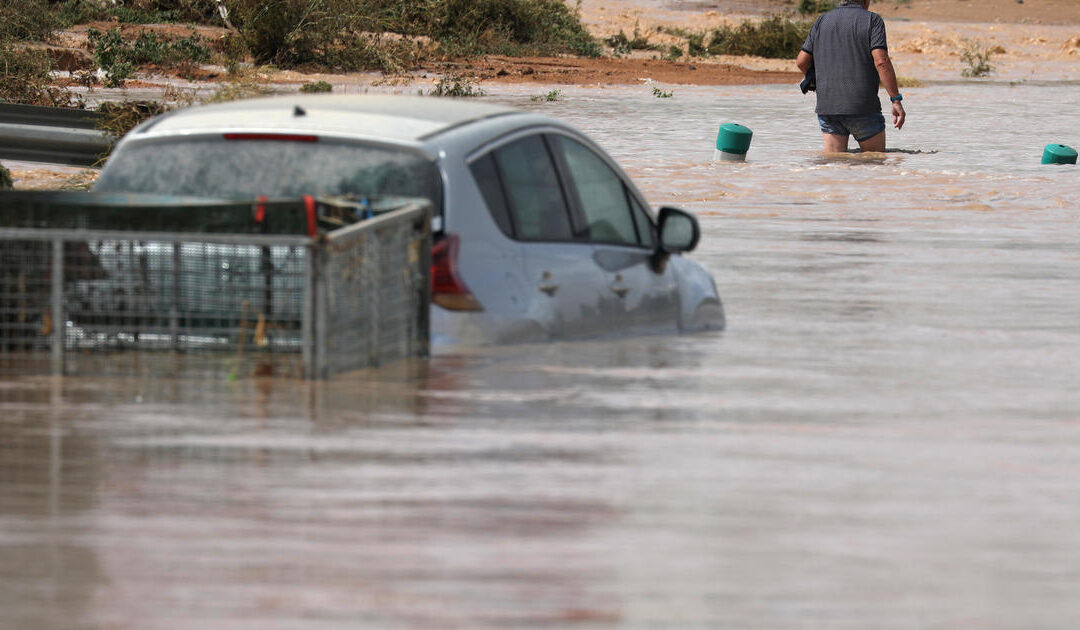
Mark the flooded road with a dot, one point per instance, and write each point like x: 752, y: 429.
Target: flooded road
x: 886, y: 435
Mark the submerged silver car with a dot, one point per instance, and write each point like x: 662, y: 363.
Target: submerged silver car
x: 538, y: 233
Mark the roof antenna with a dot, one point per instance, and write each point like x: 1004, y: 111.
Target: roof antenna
x: 299, y: 111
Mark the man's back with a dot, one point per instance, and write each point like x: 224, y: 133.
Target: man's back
x: 841, y: 42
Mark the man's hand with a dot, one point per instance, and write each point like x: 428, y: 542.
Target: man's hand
x: 898, y: 114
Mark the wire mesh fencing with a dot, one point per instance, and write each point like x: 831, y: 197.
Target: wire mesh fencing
x: 109, y: 301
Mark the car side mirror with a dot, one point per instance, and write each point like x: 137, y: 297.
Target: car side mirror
x: 679, y: 231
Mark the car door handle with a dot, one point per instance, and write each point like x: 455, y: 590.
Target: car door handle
x: 618, y: 288
x: 546, y: 285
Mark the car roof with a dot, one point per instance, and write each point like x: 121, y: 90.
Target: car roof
x: 397, y: 118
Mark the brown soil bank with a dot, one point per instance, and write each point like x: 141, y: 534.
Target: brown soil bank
x: 573, y: 70
x: 994, y: 11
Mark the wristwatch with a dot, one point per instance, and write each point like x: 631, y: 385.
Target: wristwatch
x: 898, y: 97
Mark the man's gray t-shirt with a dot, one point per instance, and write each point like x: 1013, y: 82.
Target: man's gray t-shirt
x: 840, y: 42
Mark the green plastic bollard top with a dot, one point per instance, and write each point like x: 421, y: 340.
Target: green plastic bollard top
x: 1058, y: 154
x: 734, y: 138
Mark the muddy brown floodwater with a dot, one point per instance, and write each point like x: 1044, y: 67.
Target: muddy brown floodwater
x: 886, y: 436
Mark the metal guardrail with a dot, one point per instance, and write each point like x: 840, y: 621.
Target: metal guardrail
x: 106, y: 301
x: 53, y: 135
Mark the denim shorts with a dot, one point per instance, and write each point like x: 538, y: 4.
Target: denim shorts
x: 859, y: 126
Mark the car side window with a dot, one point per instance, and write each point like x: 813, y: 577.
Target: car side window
x: 487, y: 178
x: 603, y: 197
x: 644, y: 223
x: 533, y: 191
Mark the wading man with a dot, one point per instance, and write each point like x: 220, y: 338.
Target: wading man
x: 850, y: 57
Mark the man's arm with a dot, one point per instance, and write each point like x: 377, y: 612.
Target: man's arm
x: 803, y: 61
x: 888, y: 79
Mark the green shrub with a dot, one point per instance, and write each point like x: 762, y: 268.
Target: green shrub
x: 372, y: 51
x: 776, y: 37
x: 69, y: 12
x: 695, y: 45
x: 346, y: 35
x: 284, y: 32
x: 318, y: 87
x: 119, y: 57
x: 550, y: 97
x: 821, y: 6
x: 456, y: 86
x: 816, y: 6
x: 623, y: 45
x: 511, y: 27
x: 620, y: 43
x: 26, y: 20
x: 6, y: 182
x: 379, y: 34
x: 335, y: 34
x: 190, y: 49
x: 118, y: 73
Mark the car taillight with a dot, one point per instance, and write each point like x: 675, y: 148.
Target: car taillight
x: 447, y: 290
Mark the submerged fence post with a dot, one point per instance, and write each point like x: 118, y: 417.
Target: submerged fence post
x: 307, y: 324
x: 174, y: 307
x: 56, y: 308
x: 322, y: 314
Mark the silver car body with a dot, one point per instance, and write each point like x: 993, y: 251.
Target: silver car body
x: 529, y: 290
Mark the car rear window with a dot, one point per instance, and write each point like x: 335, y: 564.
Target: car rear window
x: 245, y: 169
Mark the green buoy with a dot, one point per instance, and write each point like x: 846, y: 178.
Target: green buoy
x: 1059, y: 154
x: 733, y: 141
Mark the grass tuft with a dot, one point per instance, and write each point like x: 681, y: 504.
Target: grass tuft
x: 550, y: 97
x: 318, y: 87
x: 242, y: 89
x: 977, y: 57
x: 455, y: 85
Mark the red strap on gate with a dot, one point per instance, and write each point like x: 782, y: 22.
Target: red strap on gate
x: 312, y: 225
x: 260, y: 209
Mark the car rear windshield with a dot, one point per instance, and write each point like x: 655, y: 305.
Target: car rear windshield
x: 246, y: 169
